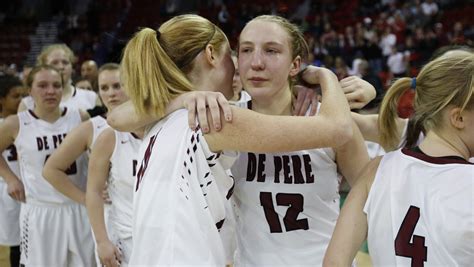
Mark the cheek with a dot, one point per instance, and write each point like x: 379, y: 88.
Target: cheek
x: 123, y: 95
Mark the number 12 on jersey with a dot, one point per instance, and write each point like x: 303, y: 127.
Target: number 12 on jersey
x: 295, y: 207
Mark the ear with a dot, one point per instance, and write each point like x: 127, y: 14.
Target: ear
x: 210, y: 55
x: 456, y: 118
x: 295, y: 66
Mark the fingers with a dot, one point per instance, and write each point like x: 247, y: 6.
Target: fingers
x: 118, y: 254
x: 299, y: 99
x: 17, y: 193
x: 309, y: 98
x: 348, y: 84
x: 215, y: 113
x: 202, y: 114
x: 191, y: 107
x: 112, y: 259
x: 314, y: 105
x: 21, y: 196
x: 225, y: 106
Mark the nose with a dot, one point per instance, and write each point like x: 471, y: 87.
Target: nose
x: 50, y: 90
x: 257, y: 61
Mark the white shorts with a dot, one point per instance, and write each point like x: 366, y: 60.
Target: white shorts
x: 9, y: 218
x: 55, y: 235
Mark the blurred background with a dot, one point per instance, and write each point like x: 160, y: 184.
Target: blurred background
x: 374, y: 39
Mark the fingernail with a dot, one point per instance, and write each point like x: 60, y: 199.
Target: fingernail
x: 205, y: 129
x: 227, y: 117
x: 217, y: 126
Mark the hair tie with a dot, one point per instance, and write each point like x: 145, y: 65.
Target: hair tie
x: 413, y: 83
x: 158, y: 35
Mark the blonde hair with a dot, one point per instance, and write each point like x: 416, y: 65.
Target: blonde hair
x: 445, y: 81
x: 298, y: 45
x: 154, y: 65
x: 41, y: 59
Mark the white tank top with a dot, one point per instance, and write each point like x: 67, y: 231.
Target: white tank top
x: 11, y: 157
x: 99, y: 124
x: 287, y: 205
x: 36, y: 141
x: 420, y: 211
x: 123, y: 169
x: 80, y: 99
x: 179, y: 197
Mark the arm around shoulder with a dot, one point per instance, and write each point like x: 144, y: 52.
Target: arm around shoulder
x: 255, y: 132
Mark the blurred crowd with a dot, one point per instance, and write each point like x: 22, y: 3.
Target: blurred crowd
x: 374, y: 39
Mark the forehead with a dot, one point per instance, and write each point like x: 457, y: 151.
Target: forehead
x: 263, y: 32
x: 57, y: 54
x: 109, y: 74
x: 43, y: 75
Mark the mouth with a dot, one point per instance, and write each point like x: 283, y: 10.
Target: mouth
x: 257, y: 79
x: 51, y: 100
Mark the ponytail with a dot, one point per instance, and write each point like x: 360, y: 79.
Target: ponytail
x: 150, y: 77
x: 389, y: 138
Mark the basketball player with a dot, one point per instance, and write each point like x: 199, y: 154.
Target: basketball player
x: 82, y: 138
x: 54, y: 230
x: 415, y: 204
x: 10, y: 97
x: 114, y: 161
x: 179, y: 202
x: 61, y: 57
x: 286, y: 202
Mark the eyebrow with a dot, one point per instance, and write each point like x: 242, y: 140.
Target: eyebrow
x: 266, y: 43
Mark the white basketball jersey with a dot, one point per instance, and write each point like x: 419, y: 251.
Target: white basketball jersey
x: 80, y: 99
x: 179, y: 197
x: 123, y: 169
x: 99, y: 124
x: 287, y: 206
x: 420, y: 211
x: 36, y: 141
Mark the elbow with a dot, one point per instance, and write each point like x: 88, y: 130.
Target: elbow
x: 47, y: 174
x: 114, y: 122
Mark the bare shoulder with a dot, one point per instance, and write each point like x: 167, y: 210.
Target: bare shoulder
x: 10, y: 125
x: 370, y: 170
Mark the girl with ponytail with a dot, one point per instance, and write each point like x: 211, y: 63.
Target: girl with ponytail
x: 182, y: 186
x: 424, y: 192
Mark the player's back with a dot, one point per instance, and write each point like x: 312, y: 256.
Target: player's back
x: 179, y: 197
x: 420, y: 211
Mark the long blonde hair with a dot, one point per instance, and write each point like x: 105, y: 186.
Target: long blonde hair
x: 155, y: 63
x: 445, y: 81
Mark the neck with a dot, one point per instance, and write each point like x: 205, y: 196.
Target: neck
x: 67, y: 90
x: 444, y: 144
x: 278, y: 104
x: 48, y: 115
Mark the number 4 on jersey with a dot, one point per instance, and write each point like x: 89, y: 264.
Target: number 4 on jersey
x: 416, y: 250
